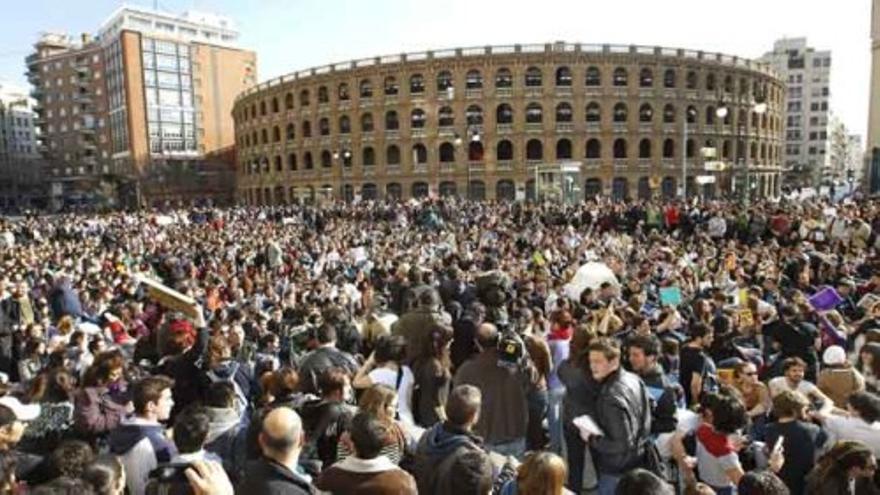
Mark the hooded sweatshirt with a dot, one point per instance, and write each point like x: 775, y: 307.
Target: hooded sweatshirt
x: 227, y: 437
x: 141, y: 445
x: 436, y: 453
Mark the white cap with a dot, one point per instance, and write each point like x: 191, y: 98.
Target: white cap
x: 834, y: 355
x: 22, y: 412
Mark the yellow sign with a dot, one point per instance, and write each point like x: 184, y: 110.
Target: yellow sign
x: 745, y: 318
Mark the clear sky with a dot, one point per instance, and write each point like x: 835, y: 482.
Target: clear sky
x: 290, y: 35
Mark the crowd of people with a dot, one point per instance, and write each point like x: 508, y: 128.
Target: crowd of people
x: 444, y: 347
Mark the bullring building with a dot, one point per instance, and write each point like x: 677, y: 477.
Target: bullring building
x: 510, y: 122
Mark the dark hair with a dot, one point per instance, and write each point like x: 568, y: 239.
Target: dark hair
x: 867, y: 405
x: 642, y: 482
x: 463, y: 404
x: 788, y: 404
x: 149, y: 390
x: 332, y: 380
x: 56, y: 385
x: 220, y: 395
x: 104, y: 474
x: 609, y: 348
x: 390, y: 348
x: 473, y: 473
x: 669, y: 346
x: 728, y: 414
x: 842, y: 457
x: 761, y: 482
x: 792, y: 362
x: 71, y: 458
x: 326, y: 333
x: 285, y: 381
x: 369, y: 435
x: 63, y: 486
x: 699, y: 331
x: 649, y: 344
x: 191, y: 429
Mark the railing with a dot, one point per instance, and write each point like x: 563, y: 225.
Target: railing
x: 727, y: 60
x: 503, y: 128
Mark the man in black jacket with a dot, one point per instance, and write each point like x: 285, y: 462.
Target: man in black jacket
x: 281, y: 441
x: 643, y: 353
x: 623, y: 414
x: 326, y: 356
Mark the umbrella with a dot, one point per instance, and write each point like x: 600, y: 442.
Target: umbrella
x: 592, y: 275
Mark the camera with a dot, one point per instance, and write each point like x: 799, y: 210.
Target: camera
x: 169, y: 479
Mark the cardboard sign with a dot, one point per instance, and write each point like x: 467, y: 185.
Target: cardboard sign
x: 170, y: 298
x: 868, y: 300
x: 670, y: 296
x: 825, y: 299
x: 730, y: 262
x: 746, y: 319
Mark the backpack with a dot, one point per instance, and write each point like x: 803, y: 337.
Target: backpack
x: 241, y: 401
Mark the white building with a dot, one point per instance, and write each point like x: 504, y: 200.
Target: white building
x: 807, y: 72
x: 19, y: 159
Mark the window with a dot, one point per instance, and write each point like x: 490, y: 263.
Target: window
x: 420, y: 153
x: 646, y: 113
x: 504, y: 114
x: 304, y: 98
x: 307, y: 129
x: 366, y: 89
x: 620, y: 77
x: 534, y: 113
x: 691, y: 80
x: 288, y: 101
x: 291, y: 162
x: 563, y: 112
x: 324, y: 126
x: 323, y: 95
x: 276, y: 134
x: 503, y: 78
x: 563, y: 76
x: 392, y: 155
x: 594, y: 112
x: 391, y: 121
x: 473, y: 79
x: 669, y: 78
x: 645, y: 148
x: 326, y: 159
x: 669, y: 148
x: 646, y: 78
x: 291, y: 131
x: 391, y: 87
x: 344, y: 125
x: 504, y: 150
x: 728, y: 84
x: 668, y: 114
x: 367, y: 122
x: 620, y: 113
x: 563, y: 149
x: 369, y: 157
x: 342, y: 92
x: 620, y: 148
x: 445, y: 117
x: 417, y: 119
x: 534, y: 150
x: 447, y: 153
x: 710, y: 115
x: 593, y: 149
x: 691, y: 115
x: 710, y: 82
x: 444, y: 80
x: 593, y: 77
x: 533, y: 77
x: 474, y: 115
x: 416, y: 84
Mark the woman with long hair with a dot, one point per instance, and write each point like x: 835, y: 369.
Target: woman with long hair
x: 106, y: 476
x: 847, y: 464
x: 433, y: 377
x: 541, y: 473
x: 379, y: 401
x: 385, y: 366
x: 95, y: 410
x: 869, y: 365
x: 53, y: 390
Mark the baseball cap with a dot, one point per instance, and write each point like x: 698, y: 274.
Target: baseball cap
x: 11, y: 409
x: 834, y: 355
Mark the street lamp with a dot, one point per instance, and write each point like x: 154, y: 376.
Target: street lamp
x: 689, y: 112
x: 758, y: 106
x: 345, y: 154
x: 474, y: 132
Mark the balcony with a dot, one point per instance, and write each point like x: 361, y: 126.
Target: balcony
x: 669, y: 163
x: 447, y: 167
x: 473, y: 93
x: 476, y: 167
x: 503, y: 92
x: 531, y: 164
x: 594, y: 126
x: 620, y: 163
x: 534, y: 127
x: 420, y: 169
x: 83, y: 69
x: 563, y: 91
x: 592, y: 163
x: 391, y: 100
x: 504, y: 165
x: 392, y: 169
x: 392, y: 134
x: 564, y: 127
x: 369, y: 171
x: 446, y: 130
x: 418, y: 132
x: 534, y: 91
x: 644, y: 163
x: 503, y: 128
x: 620, y: 127
x: 692, y: 94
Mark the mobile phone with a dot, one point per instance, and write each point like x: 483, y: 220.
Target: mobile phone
x: 777, y: 447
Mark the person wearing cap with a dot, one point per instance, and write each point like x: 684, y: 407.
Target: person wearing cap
x: 839, y: 379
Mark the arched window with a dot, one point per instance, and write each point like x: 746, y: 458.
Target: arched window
x: 563, y: 149
x: 504, y: 150
x: 593, y: 149
x: 344, y: 125
x: 504, y: 114
x: 288, y: 101
x: 392, y: 155
x: 420, y: 153
x: 645, y: 148
x: 728, y: 84
x: 563, y: 76
x: 668, y: 148
x: 505, y: 190
x: 743, y: 87
x: 391, y: 87
x: 291, y: 162
x: 369, y: 156
x: 534, y: 150
x: 754, y: 151
x: 391, y: 121
x: 646, y: 78
x: 725, y: 149
x: 447, y: 153
x: 710, y: 81
x: 620, y: 113
x: 304, y: 98
x: 669, y: 78
x: 276, y: 134
x: 366, y: 88
x: 473, y: 79
x: 445, y: 117
x: 474, y: 115
x: 420, y: 189
x: 646, y: 113
x: 324, y: 126
x: 533, y: 77
x: 620, y: 77
x: 275, y: 108
x: 503, y: 78
x: 668, y: 114
x: 394, y: 190
x: 323, y: 95
x: 593, y: 77
x: 367, y: 122
x: 563, y: 112
x: 592, y: 188
x: 342, y: 92
x: 690, y: 80
x: 690, y: 148
x: 475, y: 151
x: 279, y: 165
x: 262, y: 108
x: 416, y: 84
x: 691, y: 115
x: 254, y: 138
x: 620, y: 148
x: 444, y: 80
x: 534, y: 113
x: 290, y: 131
x: 326, y: 159
x: 594, y: 112
x: 307, y: 160
x: 417, y: 118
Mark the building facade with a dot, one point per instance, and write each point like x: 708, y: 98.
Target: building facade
x: 501, y: 122
x: 871, y: 168
x: 20, y: 168
x: 807, y: 73
x: 143, y: 108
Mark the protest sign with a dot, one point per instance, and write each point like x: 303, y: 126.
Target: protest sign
x: 670, y: 296
x: 170, y: 298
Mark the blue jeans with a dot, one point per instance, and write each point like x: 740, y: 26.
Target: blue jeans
x: 554, y: 420
x: 515, y: 448
x: 608, y: 484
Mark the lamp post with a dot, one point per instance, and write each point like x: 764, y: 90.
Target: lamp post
x: 474, y: 132
x: 690, y: 112
x: 759, y: 106
x: 345, y: 154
